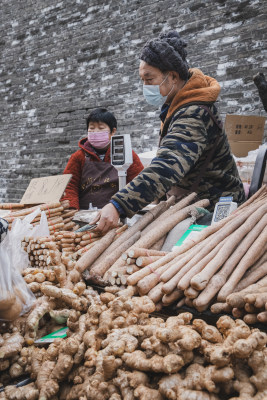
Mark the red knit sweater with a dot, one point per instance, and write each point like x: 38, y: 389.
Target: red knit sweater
x: 75, y: 167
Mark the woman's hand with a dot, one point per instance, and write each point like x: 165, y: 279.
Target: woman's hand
x: 107, y: 218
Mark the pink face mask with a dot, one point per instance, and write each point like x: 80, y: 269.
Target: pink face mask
x: 99, y: 139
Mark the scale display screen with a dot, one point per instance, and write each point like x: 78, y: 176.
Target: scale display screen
x: 118, y: 151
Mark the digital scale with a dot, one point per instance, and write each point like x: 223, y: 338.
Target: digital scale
x: 121, y: 156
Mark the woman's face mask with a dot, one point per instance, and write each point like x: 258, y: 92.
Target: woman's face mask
x: 152, y: 94
x: 99, y: 140
x: 99, y: 135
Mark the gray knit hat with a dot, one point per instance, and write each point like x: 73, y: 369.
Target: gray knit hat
x: 167, y: 53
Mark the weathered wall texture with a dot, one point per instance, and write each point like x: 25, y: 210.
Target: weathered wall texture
x: 61, y: 59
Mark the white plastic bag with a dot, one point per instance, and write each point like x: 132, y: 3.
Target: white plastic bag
x: 15, y: 297
x: 22, y: 228
x: 3, y: 228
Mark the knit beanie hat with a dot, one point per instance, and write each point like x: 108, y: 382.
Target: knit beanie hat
x: 167, y: 53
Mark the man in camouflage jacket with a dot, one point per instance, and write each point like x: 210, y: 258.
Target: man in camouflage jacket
x: 194, y: 153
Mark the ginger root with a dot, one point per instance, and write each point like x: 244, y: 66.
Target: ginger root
x: 138, y: 361
x: 220, y: 353
x: 196, y: 379
x: 144, y: 393
x: 28, y: 392
x: 12, y: 346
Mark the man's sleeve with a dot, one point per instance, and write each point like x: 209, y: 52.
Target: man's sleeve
x: 74, y: 167
x: 179, y: 151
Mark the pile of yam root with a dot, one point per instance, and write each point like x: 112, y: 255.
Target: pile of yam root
x: 59, y: 215
x: 226, y: 257
x: 250, y: 304
x: 108, y: 254
x: 116, y: 350
x: 102, y: 257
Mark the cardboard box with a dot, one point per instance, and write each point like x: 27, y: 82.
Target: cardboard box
x: 244, y: 128
x: 241, y: 149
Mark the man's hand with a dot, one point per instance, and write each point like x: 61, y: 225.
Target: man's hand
x: 107, y: 218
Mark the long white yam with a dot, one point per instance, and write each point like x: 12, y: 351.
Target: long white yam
x: 117, y: 265
x: 138, y: 226
x: 134, y: 278
x: 158, y: 245
x: 139, y: 252
x: 262, y: 190
x: 254, y: 267
x: 91, y: 255
x: 182, y: 268
x: 181, y: 261
x: 184, y: 281
x: 225, y: 230
x: 200, y: 280
x: 156, y: 294
x: 252, y: 255
x: 219, y: 279
x: 149, y: 281
x: 191, y: 293
x: 154, y: 235
x: 102, y: 267
x: 257, y: 274
x: 143, y: 261
x: 169, y: 212
x: 170, y: 298
x: 137, y: 276
x: 237, y: 299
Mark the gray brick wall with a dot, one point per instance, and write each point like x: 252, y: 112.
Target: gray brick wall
x: 61, y: 59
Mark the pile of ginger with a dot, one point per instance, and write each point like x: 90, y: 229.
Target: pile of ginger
x: 115, y: 350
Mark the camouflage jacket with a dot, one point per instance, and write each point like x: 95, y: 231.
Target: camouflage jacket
x: 187, y: 137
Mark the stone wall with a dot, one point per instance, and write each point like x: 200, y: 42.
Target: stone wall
x: 62, y: 59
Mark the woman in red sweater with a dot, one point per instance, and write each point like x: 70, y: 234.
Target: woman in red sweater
x: 94, y: 180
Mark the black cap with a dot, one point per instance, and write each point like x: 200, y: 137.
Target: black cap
x: 167, y: 53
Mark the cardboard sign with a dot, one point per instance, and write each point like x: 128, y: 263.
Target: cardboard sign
x: 241, y: 149
x: 244, y: 127
x: 46, y: 189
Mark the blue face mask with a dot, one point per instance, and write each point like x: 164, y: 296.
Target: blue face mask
x: 152, y: 94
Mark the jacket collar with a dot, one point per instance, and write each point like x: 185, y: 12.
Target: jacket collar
x: 87, y: 148
x: 199, y: 87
